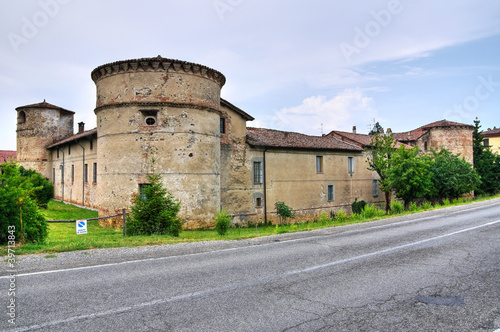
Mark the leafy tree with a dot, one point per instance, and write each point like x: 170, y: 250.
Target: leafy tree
x: 155, y: 210
x: 43, y: 189
x: 284, y: 211
x: 486, y: 163
x: 379, y: 160
x: 377, y: 129
x: 410, y: 174
x: 452, y: 176
x: 18, y: 208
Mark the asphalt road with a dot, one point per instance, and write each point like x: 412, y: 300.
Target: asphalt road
x: 434, y: 271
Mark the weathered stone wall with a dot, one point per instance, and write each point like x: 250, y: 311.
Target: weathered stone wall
x: 162, y: 109
x: 36, y: 129
x: 291, y: 177
x: 458, y: 140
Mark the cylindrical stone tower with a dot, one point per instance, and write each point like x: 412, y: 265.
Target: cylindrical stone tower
x: 39, y: 125
x: 166, y: 110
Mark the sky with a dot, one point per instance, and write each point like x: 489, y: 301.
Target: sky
x: 304, y: 66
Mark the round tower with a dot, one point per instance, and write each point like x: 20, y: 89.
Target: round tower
x: 39, y: 125
x: 161, y: 114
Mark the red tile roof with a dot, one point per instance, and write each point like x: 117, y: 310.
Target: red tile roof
x: 44, y: 104
x: 283, y: 139
x: 6, y: 155
x: 491, y: 132
x: 362, y: 140
x: 74, y: 137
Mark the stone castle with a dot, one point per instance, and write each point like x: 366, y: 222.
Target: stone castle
x: 170, y: 111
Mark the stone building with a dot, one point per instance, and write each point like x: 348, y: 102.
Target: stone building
x: 167, y: 115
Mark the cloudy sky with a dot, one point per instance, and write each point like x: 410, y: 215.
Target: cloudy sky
x: 307, y: 66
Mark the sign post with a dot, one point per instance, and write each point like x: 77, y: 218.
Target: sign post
x: 81, y: 227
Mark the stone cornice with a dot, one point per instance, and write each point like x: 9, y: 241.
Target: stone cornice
x: 157, y: 64
x: 159, y: 104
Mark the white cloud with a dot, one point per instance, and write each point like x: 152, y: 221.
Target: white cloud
x: 348, y: 108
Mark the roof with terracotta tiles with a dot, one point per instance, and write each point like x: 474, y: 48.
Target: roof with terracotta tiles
x: 283, y: 139
x: 491, y: 132
x: 74, y: 138
x: 6, y: 155
x: 44, y: 104
x: 362, y: 140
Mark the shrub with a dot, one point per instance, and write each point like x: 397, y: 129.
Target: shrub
x: 446, y: 202
x: 369, y: 211
x: 154, y: 211
x: 427, y: 205
x: 222, y: 222
x: 16, y: 203
x: 284, y: 211
x: 413, y: 207
x: 341, y: 216
x: 357, y: 207
x: 397, y: 207
x: 323, y: 218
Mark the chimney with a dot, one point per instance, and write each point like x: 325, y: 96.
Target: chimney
x: 389, y: 131
x: 354, y: 129
x: 81, y: 127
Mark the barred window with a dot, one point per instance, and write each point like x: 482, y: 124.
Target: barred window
x: 258, y: 175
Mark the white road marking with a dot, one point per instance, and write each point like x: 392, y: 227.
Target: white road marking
x: 238, y: 286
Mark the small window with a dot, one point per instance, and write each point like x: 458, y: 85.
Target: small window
x: 53, y: 175
x: 72, y: 173
x: 331, y: 192
x: 95, y: 173
x: 69, y: 149
x: 350, y: 165
x: 319, y: 164
x: 222, y: 125
x: 375, y: 188
x: 91, y: 143
x: 57, y: 153
x: 257, y: 172
x: 425, y: 146
x: 258, y: 202
x: 486, y: 142
x: 86, y: 173
x: 149, y: 117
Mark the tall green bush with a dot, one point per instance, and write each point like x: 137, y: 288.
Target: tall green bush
x: 18, y: 208
x: 154, y: 210
x: 222, y: 222
x: 357, y: 207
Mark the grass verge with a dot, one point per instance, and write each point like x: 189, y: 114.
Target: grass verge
x: 62, y: 237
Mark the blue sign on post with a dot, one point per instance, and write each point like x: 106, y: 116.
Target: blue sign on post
x: 81, y: 227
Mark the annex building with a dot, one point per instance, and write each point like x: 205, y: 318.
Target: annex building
x: 167, y: 115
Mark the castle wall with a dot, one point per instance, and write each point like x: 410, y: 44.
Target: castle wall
x: 292, y: 178
x: 458, y: 140
x: 70, y: 163
x: 162, y: 110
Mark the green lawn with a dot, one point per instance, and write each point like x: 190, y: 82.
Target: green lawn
x: 62, y: 236
x: 61, y: 211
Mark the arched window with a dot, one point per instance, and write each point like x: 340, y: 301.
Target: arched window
x: 21, y: 117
